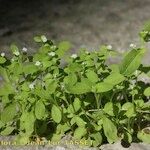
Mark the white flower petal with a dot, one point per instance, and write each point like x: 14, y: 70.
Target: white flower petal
x: 3, y: 54
x: 52, y: 54
x: 24, y: 49
x: 132, y: 45
x: 74, y: 56
x: 31, y: 86
x: 53, y: 47
x: 44, y: 39
x: 109, y: 47
x: 37, y: 63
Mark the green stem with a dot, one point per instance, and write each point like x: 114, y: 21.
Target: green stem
x: 97, y: 101
x: 125, y: 96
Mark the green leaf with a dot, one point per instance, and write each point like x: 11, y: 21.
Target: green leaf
x: 97, y: 139
x: 92, y: 76
x: 70, y: 109
x: 110, y: 130
x: 14, y: 48
x: 73, y: 67
x: 56, y: 114
x: 37, y: 39
x: 145, y: 137
x: 97, y: 127
x: 79, y: 121
x: 130, y: 109
x: 1, y: 124
x: 30, y: 68
x: 109, y: 108
x: 114, y: 68
x: 114, y: 78
x: 139, y: 103
x: 77, y: 104
x: 39, y: 110
x: 17, y: 68
x: 56, y: 137
x: 127, y: 137
x: 131, y: 62
x: 71, y: 79
x: 22, y: 139
x: 6, y: 89
x: 79, y: 132
x: 63, y: 47
x: 51, y: 86
x: 62, y: 128
x: 102, y: 87
x: 27, y: 121
x: 8, y: 113
x: 3, y: 73
x: 7, y: 131
x: 145, y: 33
x: 80, y: 87
x: 2, y: 60
x: 147, y: 91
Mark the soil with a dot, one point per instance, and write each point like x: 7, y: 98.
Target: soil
x: 83, y: 22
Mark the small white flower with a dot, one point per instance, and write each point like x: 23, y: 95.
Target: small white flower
x: 53, y: 47
x: 51, y: 54
x: 83, y: 63
x: 31, y: 86
x: 37, y: 63
x: 87, y: 52
x: 109, y: 47
x: 74, y: 56
x: 24, y: 49
x: 132, y: 45
x: 44, y: 39
x: 16, y: 53
x: 3, y: 54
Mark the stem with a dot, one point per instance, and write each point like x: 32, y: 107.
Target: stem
x: 92, y: 110
x: 125, y: 96
x: 97, y: 101
x: 142, y: 111
x: 86, y: 115
x: 112, y: 97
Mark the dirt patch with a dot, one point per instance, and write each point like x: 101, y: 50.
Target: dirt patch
x: 85, y: 23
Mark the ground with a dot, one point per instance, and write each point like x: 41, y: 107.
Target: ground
x: 85, y: 23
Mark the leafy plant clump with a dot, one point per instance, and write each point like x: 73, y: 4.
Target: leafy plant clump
x: 86, y: 98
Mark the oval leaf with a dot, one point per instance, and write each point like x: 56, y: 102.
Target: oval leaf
x: 79, y: 132
x: 102, y: 87
x: 110, y: 130
x: 114, y: 78
x: 39, y: 110
x: 131, y: 62
x: 8, y: 113
x: 7, y: 131
x: 56, y: 114
x: 147, y: 91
